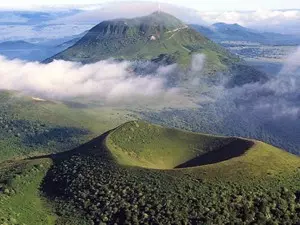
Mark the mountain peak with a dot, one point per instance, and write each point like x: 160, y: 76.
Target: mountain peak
x: 157, y: 22
x: 158, y: 12
x: 158, y: 37
x: 161, y: 13
x: 162, y: 19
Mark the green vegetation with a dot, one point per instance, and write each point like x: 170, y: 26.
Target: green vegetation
x: 20, y: 199
x: 159, y: 37
x: 152, y: 146
x: 30, y: 127
x: 145, y: 145
x: 226, y: 118
x: 138, y: 173
x: 113, y: 180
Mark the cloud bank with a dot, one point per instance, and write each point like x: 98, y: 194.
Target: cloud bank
x: 107, y: 81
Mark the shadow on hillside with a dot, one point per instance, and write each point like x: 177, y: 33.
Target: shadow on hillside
x: 94, y: 149
x: 234, y: 149
x: 92, y: 146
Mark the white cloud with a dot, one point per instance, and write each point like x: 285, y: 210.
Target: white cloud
x: 110, y: 82
x: 198, y: 61
x: 261, y: 19
x: 292, y: 63
x: 39, y: 7
x: 279, y: 97
x: 250, y: 18
x: 285, y: 21
x: 108, y: 11
x: 66, y: 20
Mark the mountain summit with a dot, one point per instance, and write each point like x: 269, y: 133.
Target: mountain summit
x: 153, y: 25
x: 158, y: 36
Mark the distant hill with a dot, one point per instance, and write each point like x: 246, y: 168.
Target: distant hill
x: 37, y: 51
x: 69, y: 43
x: 26, y: 51
x: 234, y: 32
x: 11, y: 45
x: 65, y: 43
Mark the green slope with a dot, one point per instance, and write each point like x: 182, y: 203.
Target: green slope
x: 20, y: 199
x: 152, y: 146
x: 154, y: 37
x: 31, y: 127
x: 145, y: 145
x: 140, y: 173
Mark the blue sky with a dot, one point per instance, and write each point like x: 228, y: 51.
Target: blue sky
x: 202, y: 5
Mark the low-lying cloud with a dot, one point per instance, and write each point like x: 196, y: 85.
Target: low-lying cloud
x: 108, y: 81
x: 279, y: 97
x: 284, y: 89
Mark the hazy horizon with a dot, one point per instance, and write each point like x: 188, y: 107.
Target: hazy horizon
x: 36, y: 22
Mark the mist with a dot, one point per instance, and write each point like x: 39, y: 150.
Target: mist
x: 280, y: 96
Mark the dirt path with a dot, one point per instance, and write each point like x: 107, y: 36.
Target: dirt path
x: 175, y: 31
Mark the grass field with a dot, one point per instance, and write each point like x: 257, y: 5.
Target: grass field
x: 145, y: 145
x: 152, y: 146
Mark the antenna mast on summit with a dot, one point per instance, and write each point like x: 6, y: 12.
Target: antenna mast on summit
x: 159, y: 6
